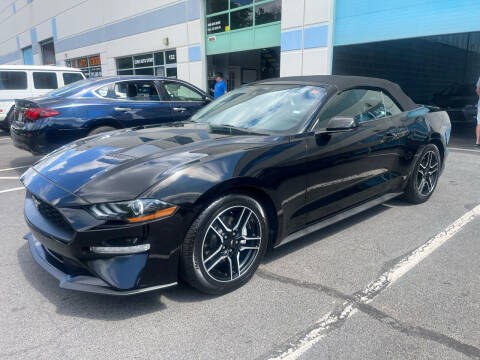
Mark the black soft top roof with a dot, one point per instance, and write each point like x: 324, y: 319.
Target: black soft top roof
x: 341, y: 83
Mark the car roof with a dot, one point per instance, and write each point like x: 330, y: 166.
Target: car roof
x: 38, y: 67
x: 113, y: 78
x: 343, y: 82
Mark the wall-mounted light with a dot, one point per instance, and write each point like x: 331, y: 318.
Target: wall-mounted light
x: 165, y: 41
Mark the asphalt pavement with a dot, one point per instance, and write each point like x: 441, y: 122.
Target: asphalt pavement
x: 396, y: 282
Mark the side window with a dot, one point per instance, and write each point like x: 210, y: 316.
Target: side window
x: 13, y: 80
x: 361, y: 104
x: 103, y: 91
x: 69, y: 78
x: 391, y: 108
x: 45, y: 80
x: 135, y: 91
x: 179, y: 92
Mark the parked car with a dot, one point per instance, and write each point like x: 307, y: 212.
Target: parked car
x: 460, y: 101
x: 93, y: 106
x: 132, y: 210
x: 26, y: 81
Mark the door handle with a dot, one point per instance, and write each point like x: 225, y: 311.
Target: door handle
x: 122, y: 108
x: 179, y: 109
x: 389, y: 136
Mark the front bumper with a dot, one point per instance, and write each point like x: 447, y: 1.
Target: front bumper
x: 78, y: 282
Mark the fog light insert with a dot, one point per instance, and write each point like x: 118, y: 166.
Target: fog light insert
x: 120, y: 249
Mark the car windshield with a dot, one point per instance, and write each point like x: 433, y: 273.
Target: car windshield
x: 263, y: 108
x: 77, y: 85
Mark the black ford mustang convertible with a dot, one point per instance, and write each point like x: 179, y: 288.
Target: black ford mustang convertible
x: 135, y: 210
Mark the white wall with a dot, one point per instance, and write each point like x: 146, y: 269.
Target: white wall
x: 76, y: 17
x: 306, y: 37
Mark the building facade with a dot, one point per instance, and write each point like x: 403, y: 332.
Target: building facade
x: 427, y: 46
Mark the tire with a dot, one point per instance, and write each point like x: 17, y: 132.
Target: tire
x: 101, y: 129
x: 235, y: 228
x: 8, y: 121
x: 426, y: 168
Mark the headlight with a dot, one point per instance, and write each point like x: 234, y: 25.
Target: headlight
x: 133, y: 211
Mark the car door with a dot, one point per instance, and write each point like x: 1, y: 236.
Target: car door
x: 137, y: 102
x: 183, y: 99
x: 350, y: 166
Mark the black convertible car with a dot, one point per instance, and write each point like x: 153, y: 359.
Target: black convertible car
x: 133, y: 210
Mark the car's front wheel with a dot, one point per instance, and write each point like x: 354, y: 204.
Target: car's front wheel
x: 225, y: 244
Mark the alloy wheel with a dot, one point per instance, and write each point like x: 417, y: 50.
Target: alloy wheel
x: 231, y: 243
x: 427, y: 173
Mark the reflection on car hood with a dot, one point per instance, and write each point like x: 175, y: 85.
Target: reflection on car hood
x: 121, y: 165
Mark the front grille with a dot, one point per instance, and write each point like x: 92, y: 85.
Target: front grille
x: 51, y: 214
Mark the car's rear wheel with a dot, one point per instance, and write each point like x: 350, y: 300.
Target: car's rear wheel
x: 424, y: 178
x: 225, y: 244
x: 101, y: 129
x: 8, y: 121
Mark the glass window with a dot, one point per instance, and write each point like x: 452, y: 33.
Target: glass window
x: 180, y: 92
x: 238, y: 3
x: 125, y: 72
x: 136, y: 91
x: 391, y: 108
x: 172, y: 72
x: 144, y: 71
x: 160, y: 71
x: 143, y: 60
x: 241, y: 19
x: 103, y: 91
x: 45, y: 80
x: 13, y: 80
x: 264, y: 108
x: 214, y: 6
x: 360, y: 104
x: 125, y: 63
x: 269, y: 12
x: 48, y: 52
x: 171, y: 56
x: 69, y: 78
x: 159, y: 58
x: 216, y: 24
x: 90, y: 66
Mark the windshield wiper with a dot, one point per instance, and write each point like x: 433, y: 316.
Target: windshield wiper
x: 234, y: 130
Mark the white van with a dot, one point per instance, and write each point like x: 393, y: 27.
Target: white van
x: 24, y: 81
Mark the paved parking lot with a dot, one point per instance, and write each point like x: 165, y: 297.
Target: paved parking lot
x: 396, y: 282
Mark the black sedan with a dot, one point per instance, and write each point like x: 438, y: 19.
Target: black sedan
x: 133, y: 210
x: 92, y: 106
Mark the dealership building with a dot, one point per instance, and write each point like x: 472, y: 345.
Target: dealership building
x: 429, y: 47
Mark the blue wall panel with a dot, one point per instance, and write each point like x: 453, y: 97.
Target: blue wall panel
x: 291, y: 40
x: 361, y: 21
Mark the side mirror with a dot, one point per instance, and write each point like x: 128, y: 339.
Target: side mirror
x: 341, y: 123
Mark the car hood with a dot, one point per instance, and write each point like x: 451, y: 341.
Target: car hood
x: 121, y: 165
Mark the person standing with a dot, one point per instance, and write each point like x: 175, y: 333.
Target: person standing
x: 477, y: 144
x: 220, y: 86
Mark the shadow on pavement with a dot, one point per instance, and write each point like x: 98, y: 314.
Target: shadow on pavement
x: 96, y: 306
x: 463, y: 135
x: 285, y: 250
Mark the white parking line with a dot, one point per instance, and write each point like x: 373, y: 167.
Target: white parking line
x: 5, y: 138
x: 12, y: 189
x: 9, y: 177
x: 15, y: 168
x: 460, y: 149
x: 376, y: 287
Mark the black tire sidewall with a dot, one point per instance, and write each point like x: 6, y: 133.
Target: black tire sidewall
x: 204, y: 281
x: 413, y: 194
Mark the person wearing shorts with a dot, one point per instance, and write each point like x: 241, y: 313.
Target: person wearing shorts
x: 477, y: 143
